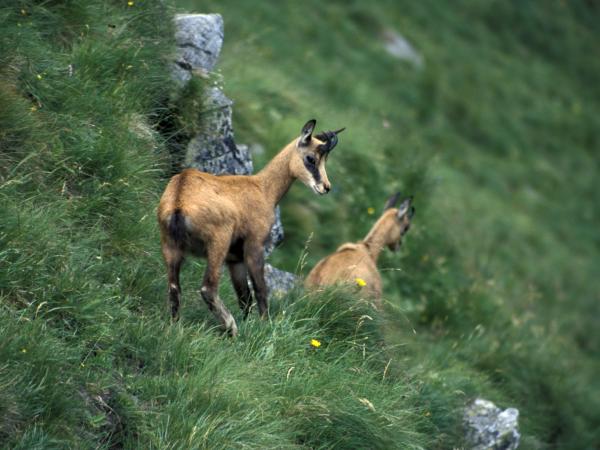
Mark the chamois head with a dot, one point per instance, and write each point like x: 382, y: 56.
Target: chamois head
x: 400, y: 219
x: 308, y: 165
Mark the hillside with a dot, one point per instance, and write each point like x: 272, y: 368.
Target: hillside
x: 493, y: 294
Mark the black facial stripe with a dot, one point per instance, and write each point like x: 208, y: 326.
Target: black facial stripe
x: 314, y: 171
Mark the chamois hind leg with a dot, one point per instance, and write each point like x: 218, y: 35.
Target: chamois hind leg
x: 239, y: 278
x: 173, y: 257
x: 215, y: 255
x: 255, y: 261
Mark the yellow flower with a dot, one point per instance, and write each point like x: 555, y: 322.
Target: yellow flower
x: 360, y: 282
x: 23, y: 350
x: 39, y: 76
x: 33, y: 108
x: 130, y: 3
x: 314, y: 343
x: 23, y: 12
x: 370, y: 210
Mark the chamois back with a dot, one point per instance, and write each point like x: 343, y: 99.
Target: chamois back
x: 228, y: 218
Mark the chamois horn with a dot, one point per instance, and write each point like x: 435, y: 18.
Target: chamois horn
x: 330, y: 139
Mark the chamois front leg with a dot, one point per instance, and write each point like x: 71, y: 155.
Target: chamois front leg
x: 239, y: 278
x: 215, y: 257
x: 255, y: 262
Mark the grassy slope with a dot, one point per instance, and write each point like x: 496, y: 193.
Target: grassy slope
x: 496, y: 137
x: 496, y: 294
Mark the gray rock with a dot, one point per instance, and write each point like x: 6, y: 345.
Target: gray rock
x: 278, y: 281
x: 199, y: 38
x: 276, y: 233
x: 214, y: 150
x: 488, y: 427
x: 399, y: 47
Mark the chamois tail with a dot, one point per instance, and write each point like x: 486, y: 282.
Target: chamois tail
x: 176, y: 228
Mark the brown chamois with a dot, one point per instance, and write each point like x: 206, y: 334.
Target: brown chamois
x: 228, y: 218
x: 356, y: 263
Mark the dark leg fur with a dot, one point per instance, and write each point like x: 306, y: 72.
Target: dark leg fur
x: 173, y: 257
x: 176, y: 228
x: 174, y: 268
x: 256, y: 267
x: 239, y: 279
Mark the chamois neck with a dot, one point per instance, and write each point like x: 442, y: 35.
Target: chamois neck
x: 377, y: 237
x: 276, y: 177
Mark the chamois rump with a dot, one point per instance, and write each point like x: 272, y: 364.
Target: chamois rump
x: 228, y: 218
x: 352, y: 261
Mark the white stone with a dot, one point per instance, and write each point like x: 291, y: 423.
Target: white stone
x: 399, y: 47
x: 490, y: 428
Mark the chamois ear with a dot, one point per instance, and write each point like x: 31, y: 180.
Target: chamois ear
x: 307, y: 131
x: 404, y: 206
x: 391, y: 202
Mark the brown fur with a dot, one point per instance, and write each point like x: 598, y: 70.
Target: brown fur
x: 227, y: 219
x: 359, y: 260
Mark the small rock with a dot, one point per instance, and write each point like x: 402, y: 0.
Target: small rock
x: 278, y: 281
x: 490, y: 428
x: 399, y: 47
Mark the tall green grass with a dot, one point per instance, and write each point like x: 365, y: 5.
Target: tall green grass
x: 493, y: 293
x: 495, y: 137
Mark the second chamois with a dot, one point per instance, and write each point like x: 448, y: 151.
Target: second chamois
x: 356, y: 263
x: 227, y: 220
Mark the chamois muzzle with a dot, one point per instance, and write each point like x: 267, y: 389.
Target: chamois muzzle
x: 330, y: 140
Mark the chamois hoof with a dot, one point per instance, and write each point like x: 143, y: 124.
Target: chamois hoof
x: 231, y: 327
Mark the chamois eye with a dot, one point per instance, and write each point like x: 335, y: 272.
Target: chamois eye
x: 310, y: 160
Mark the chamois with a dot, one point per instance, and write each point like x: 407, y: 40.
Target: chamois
x: 357, y: 262
x: 228, y: 218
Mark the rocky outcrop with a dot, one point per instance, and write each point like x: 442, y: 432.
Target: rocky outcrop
x: 490, y: 428
x: 199, y: 38
x: 214, y: 150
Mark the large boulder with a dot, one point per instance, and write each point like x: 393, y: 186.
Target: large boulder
x: 490, y: 428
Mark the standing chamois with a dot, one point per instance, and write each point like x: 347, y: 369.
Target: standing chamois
x: 228, y: 218
x: 357, y: 262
